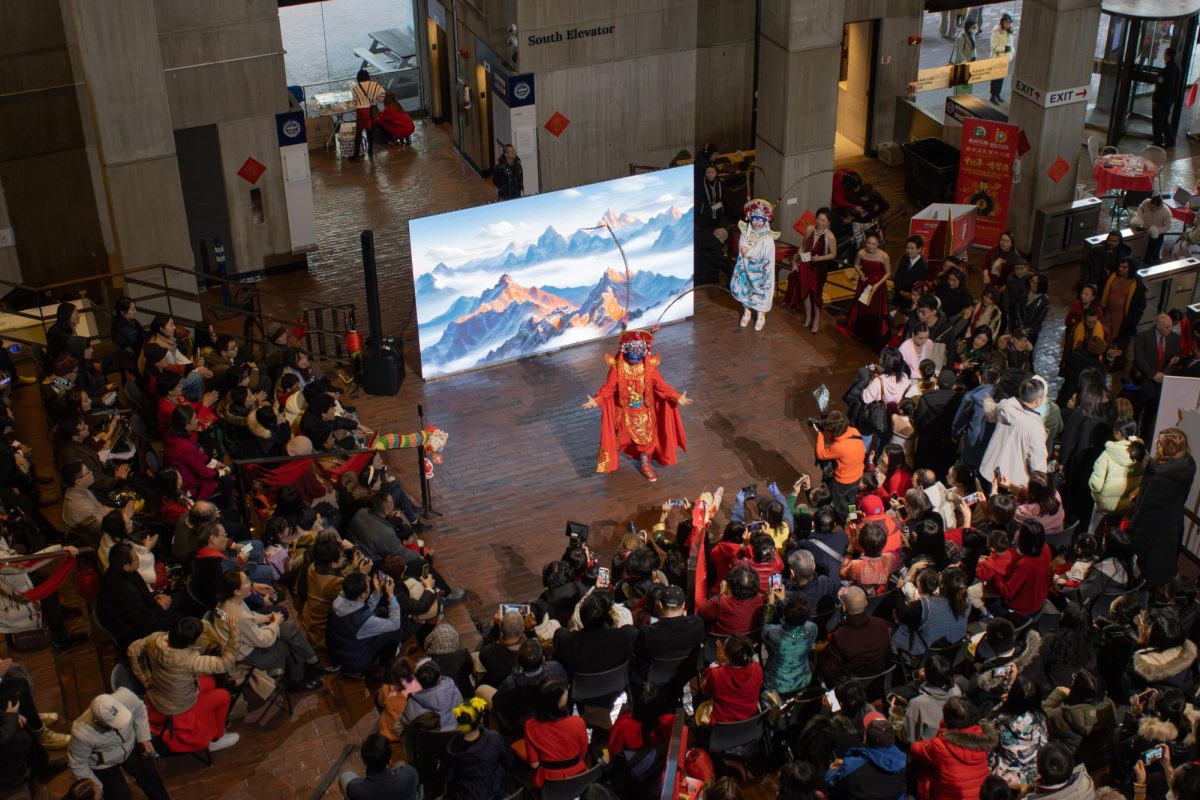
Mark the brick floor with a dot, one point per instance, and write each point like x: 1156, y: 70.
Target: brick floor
x: 522, y: 451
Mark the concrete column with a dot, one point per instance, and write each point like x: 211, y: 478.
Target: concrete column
x: 799, y: 52
x: 1055, y: 46
x: 120, y: 63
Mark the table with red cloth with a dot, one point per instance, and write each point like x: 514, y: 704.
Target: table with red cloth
x: 1123, y: 172
x: 1184, y: 213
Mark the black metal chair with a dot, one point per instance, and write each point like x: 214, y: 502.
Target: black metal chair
x: 1061, y: 542
x: 880, y: 605
x: 665, y: 670
x: 876, y: 686
x: 596, y: 685
x: 828, y: 620
x: 727, y: 736
x: 570, y: 788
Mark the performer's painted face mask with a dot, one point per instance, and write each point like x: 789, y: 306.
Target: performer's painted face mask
x: 633, y: 351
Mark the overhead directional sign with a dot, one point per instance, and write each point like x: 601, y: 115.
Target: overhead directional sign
x: 1050, y: 99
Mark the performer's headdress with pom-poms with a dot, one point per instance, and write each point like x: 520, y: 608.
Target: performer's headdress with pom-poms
x: 759, y: 208
x: 635, y: 341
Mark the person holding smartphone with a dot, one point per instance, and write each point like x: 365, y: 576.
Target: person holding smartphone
x: 368, y: 622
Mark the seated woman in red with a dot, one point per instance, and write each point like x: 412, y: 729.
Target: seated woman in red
x: 1026, y: 585
x: 734, y: 682
x: 555, y: 739
x: 184, y: 704
x: 170, y: 397
x: 954, y: 764
x: 173, y: 499
x: 200, y: 473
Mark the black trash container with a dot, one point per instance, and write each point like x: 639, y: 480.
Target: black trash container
x: 930, y: 171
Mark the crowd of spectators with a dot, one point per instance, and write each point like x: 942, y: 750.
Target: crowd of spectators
x: 210, y: 589
x: 978, y: 595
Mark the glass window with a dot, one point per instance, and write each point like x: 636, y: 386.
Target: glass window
x: 939, y: 33
x: 326, y: 44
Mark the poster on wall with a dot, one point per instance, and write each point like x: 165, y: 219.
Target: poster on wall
x: 508, y: 280
x: 985, y: 170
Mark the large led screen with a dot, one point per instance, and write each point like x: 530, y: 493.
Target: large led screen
x: 511, y: 279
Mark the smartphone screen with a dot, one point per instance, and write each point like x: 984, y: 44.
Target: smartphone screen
x: 602, y: 577
x: 776, y: 580
x: 831, y: 698
x: 425, y: 571
x: 1152, y: 755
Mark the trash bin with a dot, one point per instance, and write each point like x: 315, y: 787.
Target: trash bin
x: 930, y: 171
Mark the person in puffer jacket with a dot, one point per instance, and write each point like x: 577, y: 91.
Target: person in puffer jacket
x: 954, y: 764
x: 1163, y: 719
x: 874, y: 771
x: 438, y: 695
x: 1118, y: 471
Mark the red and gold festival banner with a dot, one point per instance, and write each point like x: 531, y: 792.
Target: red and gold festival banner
x: 985, y: 169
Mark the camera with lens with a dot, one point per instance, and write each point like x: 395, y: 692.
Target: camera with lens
x: 750, y: 492
x: 816, y: 423
x: 577, y: 532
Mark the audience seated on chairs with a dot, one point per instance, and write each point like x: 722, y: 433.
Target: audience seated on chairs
x: 733, y: 683
x: 267, y: 641
x: 597, y: 646
x: 789, y: 641
x: 382, y: 781
x: 126, y: 607
x: 737, y: 607
x: 861, y: 644
x: 513, y: 699
x: 954, y: 763
x: 366, y: 622
x: 556, y: 742
x: 437, y: 694
x: 185, y: 706
x: 111, y: 742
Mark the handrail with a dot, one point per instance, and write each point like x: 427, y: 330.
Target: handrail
x: 675, y: 754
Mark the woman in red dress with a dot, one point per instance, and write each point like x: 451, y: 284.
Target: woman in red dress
x: 555, y: 740
x: 809, y: 269
x: 868, y: 309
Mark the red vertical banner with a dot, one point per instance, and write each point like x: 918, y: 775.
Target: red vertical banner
x: 985, y: 168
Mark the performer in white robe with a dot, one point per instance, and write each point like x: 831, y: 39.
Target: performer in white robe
x: 753, y: 282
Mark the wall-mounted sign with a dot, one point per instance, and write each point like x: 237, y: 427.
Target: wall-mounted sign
x: 1051, y: 99
x: 943, y: 77
x: 570, y: 34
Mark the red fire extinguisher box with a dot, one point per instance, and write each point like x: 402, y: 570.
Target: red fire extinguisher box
x: 947, y: 229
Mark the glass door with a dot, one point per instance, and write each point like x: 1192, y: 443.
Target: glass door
x: 1142, y: 46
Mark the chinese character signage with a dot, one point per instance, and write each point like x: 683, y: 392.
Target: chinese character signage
x: 985, y: 168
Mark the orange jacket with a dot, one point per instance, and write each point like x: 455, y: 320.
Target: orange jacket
x: 848, y: 451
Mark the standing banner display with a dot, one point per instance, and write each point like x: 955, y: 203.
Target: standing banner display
x: 985, y: 172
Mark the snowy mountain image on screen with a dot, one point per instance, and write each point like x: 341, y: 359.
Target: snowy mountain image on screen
x: 509, y: 284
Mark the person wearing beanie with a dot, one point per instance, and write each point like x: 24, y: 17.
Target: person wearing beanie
x: 444, y: 647
x: 873, y: 771
x: 477, y: 762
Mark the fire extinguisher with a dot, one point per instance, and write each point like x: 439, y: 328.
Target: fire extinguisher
x: 354, y: 340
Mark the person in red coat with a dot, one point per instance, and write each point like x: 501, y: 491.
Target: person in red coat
x: 639, y: 410
x: 201, y: 474
x: 954, y: 764
x: 556, y: 741
x: 1026, y: 585
x: 393, y: 124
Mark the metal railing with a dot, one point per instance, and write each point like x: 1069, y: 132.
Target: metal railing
x: 164, y: 288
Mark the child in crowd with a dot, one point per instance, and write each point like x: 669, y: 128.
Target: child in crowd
x: 392, y: 697
x: 871, y: 570
x: 996, y: 563
x: 1085, y: 557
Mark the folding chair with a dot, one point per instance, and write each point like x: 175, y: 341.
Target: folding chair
x: 570, y: 788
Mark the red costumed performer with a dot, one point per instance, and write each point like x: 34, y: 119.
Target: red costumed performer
x: 639, y: 410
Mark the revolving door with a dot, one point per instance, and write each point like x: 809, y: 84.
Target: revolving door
x: 1130, y: 58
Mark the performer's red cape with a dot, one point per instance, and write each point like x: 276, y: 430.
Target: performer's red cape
x: 659, y: 396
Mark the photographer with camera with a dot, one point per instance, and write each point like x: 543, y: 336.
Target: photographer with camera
x: 840, y: 443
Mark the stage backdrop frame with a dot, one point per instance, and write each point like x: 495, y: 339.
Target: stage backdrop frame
x: 523, y: 277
